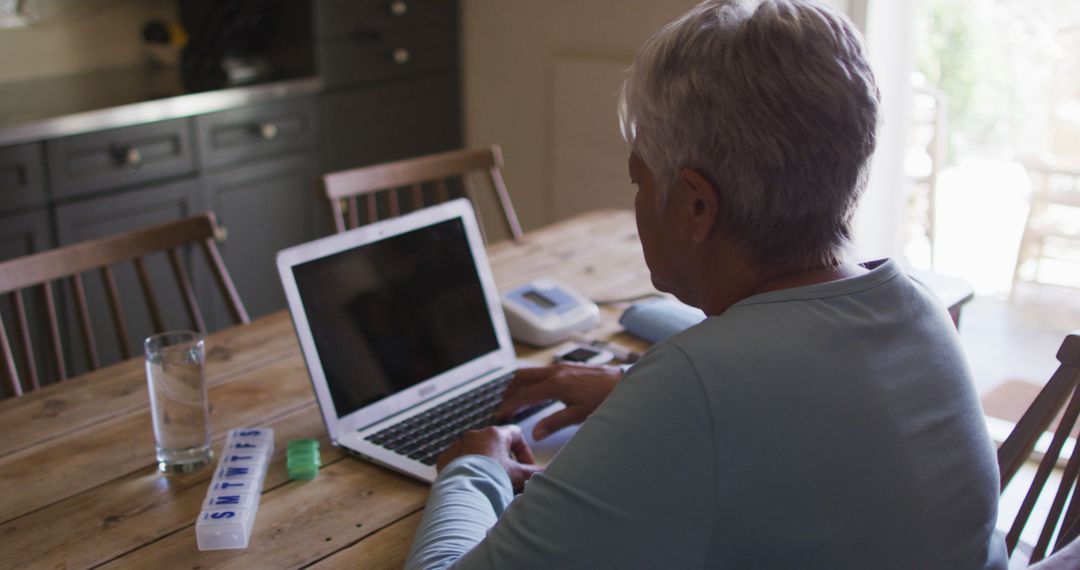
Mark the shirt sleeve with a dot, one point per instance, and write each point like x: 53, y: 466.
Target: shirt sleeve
x: 634, y: 488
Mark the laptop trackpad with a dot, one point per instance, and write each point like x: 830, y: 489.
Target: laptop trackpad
x: 545, y: 450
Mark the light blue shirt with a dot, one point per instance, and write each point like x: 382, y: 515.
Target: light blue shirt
x: 827, y: 426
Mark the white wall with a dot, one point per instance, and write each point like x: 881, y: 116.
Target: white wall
x: 541, y: 79
x: 889, y: 37
x: 510, y: 53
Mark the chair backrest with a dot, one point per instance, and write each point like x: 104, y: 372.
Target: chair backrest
x: 38, y: 271
x: 1053, y: 182
x: 1063, y: 390
x: 418, y: 182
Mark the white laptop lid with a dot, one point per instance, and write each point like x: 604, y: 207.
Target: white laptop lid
x: 391, y: 314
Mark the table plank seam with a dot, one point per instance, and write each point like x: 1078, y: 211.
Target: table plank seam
x: 140, y: 407
x: 265, y: 492
x: 182, y: 528
x: 378, y: 531
x: 216, y: 439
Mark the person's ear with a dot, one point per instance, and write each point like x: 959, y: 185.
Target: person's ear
x: 704, y: 208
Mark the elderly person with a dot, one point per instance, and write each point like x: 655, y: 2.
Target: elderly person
x: 822, y: 416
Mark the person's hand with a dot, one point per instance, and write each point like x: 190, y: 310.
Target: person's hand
x: 580, y: 387
x: 504, y: 444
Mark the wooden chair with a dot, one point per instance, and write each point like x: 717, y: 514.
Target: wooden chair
x: 68, y: 263
x: 405, y: 180
x: 1063, y: 388
x: 1052, y: 230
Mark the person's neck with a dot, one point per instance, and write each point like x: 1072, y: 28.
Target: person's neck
x: 809, y: 276
x: 741, y: 281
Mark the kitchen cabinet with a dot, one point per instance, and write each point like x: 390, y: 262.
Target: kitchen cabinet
x: 264, y: 207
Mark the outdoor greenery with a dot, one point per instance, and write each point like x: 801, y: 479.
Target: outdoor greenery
x: 1006, y: 68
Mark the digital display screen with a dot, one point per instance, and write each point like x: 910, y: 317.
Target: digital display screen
x: 388, y: 315
x: 539, y: 299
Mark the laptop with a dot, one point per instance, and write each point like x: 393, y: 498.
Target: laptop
x: 404, y: 337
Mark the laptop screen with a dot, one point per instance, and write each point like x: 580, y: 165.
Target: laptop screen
x: 390, y: 314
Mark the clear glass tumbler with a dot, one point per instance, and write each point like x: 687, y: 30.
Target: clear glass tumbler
x: 174, y: 374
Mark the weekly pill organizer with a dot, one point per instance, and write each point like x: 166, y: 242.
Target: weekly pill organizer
x: 233, y: 496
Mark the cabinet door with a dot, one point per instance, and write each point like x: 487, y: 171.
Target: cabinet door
x: 23, y: 234
x: 369, y: 125
x: 21, y: 177
x: 99, y: 217
x: 264, y: 207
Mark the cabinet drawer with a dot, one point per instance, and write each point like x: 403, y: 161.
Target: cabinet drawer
x: 344, y: 18
x: 21, y: 177
x: 120, y: 157
x: 229, y: 137
x: 389, y: 56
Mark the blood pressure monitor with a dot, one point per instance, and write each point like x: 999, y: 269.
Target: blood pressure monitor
x: 546, y: 312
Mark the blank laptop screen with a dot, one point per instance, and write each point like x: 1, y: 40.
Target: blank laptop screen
x: 393, y: 313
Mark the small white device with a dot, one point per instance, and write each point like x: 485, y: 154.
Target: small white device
x: 545, y: 312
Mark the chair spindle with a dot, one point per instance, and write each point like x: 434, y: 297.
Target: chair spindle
x: 120, y: 324
x: 221, y: 275
x: 54, y: 332
x: 470, y: 193
x: 441, y: 190
x: 1067, y: 479
x: 1049, y: 460
x: 148, y: 293
x: 87, y: 330
x: 372, y: 209
x: 9, y: 361
x: 354, y: 212
x: 417, y: 192
x: 22, y: 324
x: 504, y: 201
x: 186, y: 290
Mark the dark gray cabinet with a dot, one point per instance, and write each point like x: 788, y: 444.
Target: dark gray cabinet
x: 391, y: 55
x: 390, y: 90
x: 391, y: 71
x: 232, y: 137
x: 337, y: 19
x: 23, y: 234
x: 21, y: 177
x: 373, y: 124
x: 117, y: 158
x: 264, y: 207
x: 104, y: 216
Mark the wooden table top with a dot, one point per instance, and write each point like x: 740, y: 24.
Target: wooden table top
x: 80, y: 486
x: 77, y: 468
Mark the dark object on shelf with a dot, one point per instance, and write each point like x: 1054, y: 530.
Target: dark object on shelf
x: 236, y: 42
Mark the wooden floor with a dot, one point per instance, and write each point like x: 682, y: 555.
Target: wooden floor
x: 1017, y: 340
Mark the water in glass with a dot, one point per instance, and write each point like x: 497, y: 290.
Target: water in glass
x: 174, y: 372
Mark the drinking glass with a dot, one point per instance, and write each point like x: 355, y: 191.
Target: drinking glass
x: 174, y: 374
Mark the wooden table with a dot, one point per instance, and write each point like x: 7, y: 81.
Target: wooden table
x: 77, y: 470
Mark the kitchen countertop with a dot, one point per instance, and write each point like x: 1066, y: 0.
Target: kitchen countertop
x: 53, y: 107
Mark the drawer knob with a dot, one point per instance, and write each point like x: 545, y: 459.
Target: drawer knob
x: 399, y: 7
x: 268, y: 131
x: 401, y: 55
x: 132, y: 158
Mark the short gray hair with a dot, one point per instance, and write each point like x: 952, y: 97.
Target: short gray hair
x: 774, y: 102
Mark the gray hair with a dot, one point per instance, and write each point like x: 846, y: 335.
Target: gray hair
x: 774, y: 102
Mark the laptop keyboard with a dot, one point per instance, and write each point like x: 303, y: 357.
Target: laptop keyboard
x: 424, y: 436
